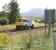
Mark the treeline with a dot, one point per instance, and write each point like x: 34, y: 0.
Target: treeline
x: 10, y: 13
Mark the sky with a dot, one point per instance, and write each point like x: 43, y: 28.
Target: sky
x: 27, y: 5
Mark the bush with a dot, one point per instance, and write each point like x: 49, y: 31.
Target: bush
x: 4, y: 21
x: 4, y: 41
x: 36, y: 21
x: 0, y: 21
x: 3, y: 38
x: 41, y: 21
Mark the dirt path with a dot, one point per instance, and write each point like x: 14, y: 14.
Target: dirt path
x: 23, y: 32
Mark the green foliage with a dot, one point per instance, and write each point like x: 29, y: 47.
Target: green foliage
x: 0, y: 21
x: 34, y: 42
x: 4, y: 21
x: 41, y: 21
x: 36, y: 21
x: 2, y: 13
x: 3, y: 38
x: 14, y: 11
x: 49, y: 16
x: 11, y: 11
x: 55, y: 20
x: 3, y: 41
x: 29, y: 41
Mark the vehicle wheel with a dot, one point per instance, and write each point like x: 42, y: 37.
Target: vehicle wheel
x: 17, y: 27
x: 29, y: 27
x: 25, y: 27
x: 32, y: 26
x: 21, y: 27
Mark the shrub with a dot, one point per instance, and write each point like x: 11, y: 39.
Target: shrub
x: 0, y: 21
x: 36, y: 21
x: 4, y: 41
x: 4, y: 21
x: 3, y: 38
x: 41, y: 21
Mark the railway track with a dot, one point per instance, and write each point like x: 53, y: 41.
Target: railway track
x: 14, y: 31
x: 35, y: 30
x: 39, y: 27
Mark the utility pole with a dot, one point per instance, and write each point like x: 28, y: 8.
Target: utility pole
x: 49, y: 27
x: 54, y: 40
x: 50, y: 21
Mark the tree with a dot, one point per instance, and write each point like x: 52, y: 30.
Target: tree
x: 14, y: 11
x: 2, y: 14
x: 4, y: 21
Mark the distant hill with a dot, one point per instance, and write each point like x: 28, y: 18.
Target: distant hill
x: 34, y: 12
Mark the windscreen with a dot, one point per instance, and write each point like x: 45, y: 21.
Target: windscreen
x: 26, y: 20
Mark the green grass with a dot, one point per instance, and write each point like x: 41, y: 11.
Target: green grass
x: 36, y: 40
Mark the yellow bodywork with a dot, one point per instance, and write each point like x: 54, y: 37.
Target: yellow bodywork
x: 19, y: 21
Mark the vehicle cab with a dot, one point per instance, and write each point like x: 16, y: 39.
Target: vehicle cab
x: 23, y: 23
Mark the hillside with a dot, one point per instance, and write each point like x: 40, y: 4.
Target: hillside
x: 34, y: 12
